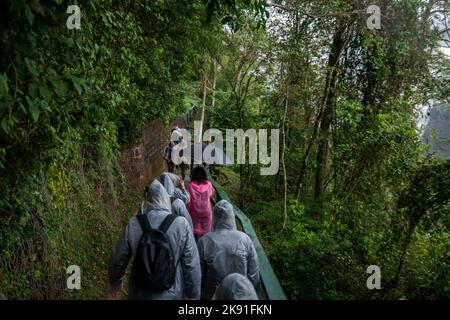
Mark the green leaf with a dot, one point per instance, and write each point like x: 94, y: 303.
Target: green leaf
x: 29, y: 14
x: 77, y: 84
x: 60, y: 87
x: 69, y: 41
x: 3, y: 107
x: 4, y: 124
x: 43, y: 105
x: 34, y: 111
x: 2, y: 158
x: 33, y: 90
x: 31, y: 65
x: 3, y: 85
x: 45, y: 93
x: 22, y: 107
x: 33, y: 108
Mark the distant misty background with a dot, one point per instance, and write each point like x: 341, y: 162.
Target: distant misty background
x: 437, y: 130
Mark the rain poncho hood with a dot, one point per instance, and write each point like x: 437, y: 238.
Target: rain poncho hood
x: 224, y: 251
x: 158, y: 196
x: 175, y: 178
x: 225, y: 218
x: 235, y: 287
x: 167, y: 183
x: 178, y: 205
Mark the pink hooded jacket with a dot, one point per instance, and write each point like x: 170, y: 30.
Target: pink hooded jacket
x: 200, y: 206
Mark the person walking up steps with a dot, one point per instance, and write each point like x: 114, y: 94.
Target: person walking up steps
x: 175, y: 138
x: 165, y: 258
x: 201, y: 192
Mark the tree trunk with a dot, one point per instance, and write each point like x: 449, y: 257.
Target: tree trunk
x: 213, y: 96
x: 328, y: 111
x: 213, y: 101
x: 306, y: 156
x: 412, y: 226
x: 202, y: 118
x: 284, y: 153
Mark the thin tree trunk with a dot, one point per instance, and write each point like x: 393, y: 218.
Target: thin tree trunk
x: 328, y: 113
x: 283, y: 160
x: 401, y: 262
x: 327, y: 104
x: 306, y: 156
x: 213, y: 97
x: 213, y: 101
x: 202, y: 118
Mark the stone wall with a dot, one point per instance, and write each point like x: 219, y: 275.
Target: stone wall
x: 144, y: 161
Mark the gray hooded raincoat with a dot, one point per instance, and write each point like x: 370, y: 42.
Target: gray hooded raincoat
x: 170, y: 181
x: 226, y: 250
x: 235, y: 287
x: 187, y: 279
x: 177, y: 196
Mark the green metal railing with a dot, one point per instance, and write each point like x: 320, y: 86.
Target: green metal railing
x: 271, y: 285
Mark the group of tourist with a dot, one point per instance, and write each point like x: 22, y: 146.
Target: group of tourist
x: 177, y: 250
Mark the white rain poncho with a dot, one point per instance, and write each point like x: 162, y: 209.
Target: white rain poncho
x: 178, y: 205
x: 158, y: 196
x: 235, y: 287
x: 226, y: 250
x: 188, y: 275
x: 179, y: 208
x: 170, y: 181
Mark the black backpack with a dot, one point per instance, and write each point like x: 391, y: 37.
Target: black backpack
x: 155, y: 262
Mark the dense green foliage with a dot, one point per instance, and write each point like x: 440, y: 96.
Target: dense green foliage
x: 360, y: 189
x: 68, y: 100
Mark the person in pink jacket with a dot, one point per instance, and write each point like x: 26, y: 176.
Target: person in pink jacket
x: 201, y: 191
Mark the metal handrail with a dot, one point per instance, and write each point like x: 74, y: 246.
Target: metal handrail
x: 269, y: 280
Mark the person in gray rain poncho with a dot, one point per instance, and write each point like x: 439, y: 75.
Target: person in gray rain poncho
x: 226, y: 250
x: 176, y: 195
x: 235, y: 287
x: 187, y: 272
x: 174, y: 186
